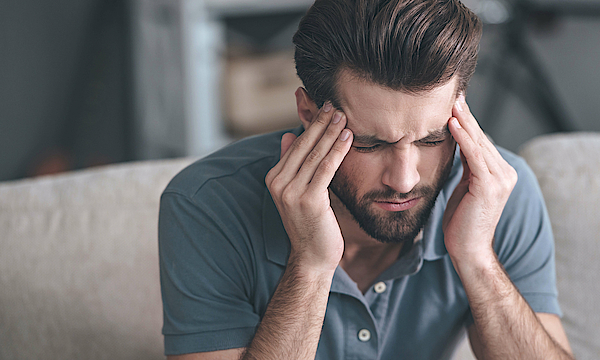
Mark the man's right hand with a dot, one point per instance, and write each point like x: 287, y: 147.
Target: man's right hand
x: 299, y: 187
x: 291, y: 326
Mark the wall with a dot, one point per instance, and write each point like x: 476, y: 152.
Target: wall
x: 567, y: 49
x: 62, y: 84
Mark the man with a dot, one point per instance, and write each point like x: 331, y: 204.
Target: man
x: 364, y: 236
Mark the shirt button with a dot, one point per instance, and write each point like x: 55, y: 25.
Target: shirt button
x: 364, y: 335
x: 380, y: 287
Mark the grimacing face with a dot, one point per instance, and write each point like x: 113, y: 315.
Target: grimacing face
x: 400, y: 158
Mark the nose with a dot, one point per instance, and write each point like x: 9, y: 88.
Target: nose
x: 401, y: 173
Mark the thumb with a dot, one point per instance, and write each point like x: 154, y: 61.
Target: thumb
x: 286, y: 141
x: 458, y: 194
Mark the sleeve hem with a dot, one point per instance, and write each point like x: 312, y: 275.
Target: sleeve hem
x: 177, y: 344
x: 539, y: 303
x: 543, y: 303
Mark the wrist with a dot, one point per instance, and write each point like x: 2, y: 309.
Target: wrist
x: 307, y: 269
x: 483, y: 261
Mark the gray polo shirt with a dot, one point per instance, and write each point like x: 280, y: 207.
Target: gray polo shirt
x: 223, y: 250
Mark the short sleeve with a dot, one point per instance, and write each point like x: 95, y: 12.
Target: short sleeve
x: 525, y: 243
x: 206, y: 276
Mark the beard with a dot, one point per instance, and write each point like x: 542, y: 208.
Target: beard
x: 400, y: 227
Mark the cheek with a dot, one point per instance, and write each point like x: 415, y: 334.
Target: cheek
x: 448, y: 150
x: 348, y: 168
x: 357, y: 170
x: 434, y: 160
x: 446, y: 155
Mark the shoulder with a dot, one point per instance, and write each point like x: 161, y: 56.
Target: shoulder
x: 211, y: 217
x: 524, y: 224
x: 527, y: 178
x: 241, y: 164
x: 527, y: 190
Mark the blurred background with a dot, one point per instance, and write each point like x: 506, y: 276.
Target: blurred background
x: 93, y: 82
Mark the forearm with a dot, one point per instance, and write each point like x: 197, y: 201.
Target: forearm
x: 506, y: 326
x: 291, y: 326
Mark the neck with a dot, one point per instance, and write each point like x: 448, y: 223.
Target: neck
x: 364, y: 258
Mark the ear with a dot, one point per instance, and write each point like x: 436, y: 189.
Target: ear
x: 307, y: 109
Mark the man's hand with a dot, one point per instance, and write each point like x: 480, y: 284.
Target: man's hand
x: 299, y: 187
x: 475, y: 207
x: 505, y: 325
x: 291, y: 326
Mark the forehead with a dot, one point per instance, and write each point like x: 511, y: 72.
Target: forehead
x: 393, y: 115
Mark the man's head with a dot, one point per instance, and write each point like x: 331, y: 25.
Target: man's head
x: 400, y: 158
x: 405, y: 45
x: 395, y: 68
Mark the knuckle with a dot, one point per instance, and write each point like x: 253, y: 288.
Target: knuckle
x: 269, y: 177
x: 327, y: 165
x: 304, y: 202
x: 300, y: 142
x: 477, y: 155
x: 514, y: 176
x: 313, y: 156
x: 276, y: 185
x: 288, y: 196
x: 322, y: 119
x: 510, y: 178
x: 482, y: 140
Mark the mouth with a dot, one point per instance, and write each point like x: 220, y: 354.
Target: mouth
x: 397, y: 205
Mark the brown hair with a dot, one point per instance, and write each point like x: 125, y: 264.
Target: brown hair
x: 405, y: 45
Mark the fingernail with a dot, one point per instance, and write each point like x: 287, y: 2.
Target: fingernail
x: 327, y: 107
x: 345, y: 135
x: 456, y: 123
x: 337, y: 117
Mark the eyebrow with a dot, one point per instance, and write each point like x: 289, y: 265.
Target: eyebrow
x: 434, y: 135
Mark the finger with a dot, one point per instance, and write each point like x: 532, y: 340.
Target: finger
x: 301, y: 146
x: 286, y: 141
x: 462, y: 112
x: 490, y: 154
x: 321, y: 150
x: 458, y: 194
x: 303, y: 150
x: 466, y: 170
x: 472, y: 151
x: 331, y: 163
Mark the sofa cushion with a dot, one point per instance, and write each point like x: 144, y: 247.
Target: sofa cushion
x: 568, y: 169
x: 79, y: 264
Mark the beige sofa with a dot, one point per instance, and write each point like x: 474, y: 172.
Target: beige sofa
x: 79, y: 263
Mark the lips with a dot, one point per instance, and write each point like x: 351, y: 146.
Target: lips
x: 397, y: 205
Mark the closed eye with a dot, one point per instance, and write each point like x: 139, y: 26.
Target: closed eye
x: 432, y: 143
x: 366, y: 149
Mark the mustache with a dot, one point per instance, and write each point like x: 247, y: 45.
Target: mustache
x: 392, y: 195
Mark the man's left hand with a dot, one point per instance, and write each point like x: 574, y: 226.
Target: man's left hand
x: 476, y: 204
